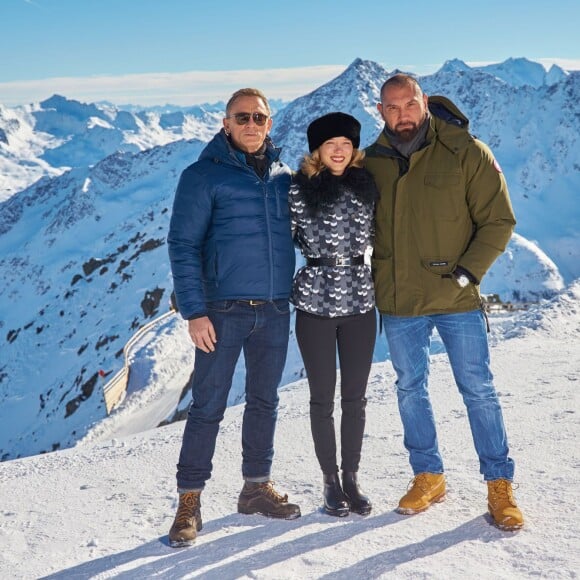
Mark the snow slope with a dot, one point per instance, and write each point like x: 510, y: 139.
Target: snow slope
x: 103, y: 510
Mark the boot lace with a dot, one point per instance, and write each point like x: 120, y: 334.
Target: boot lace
x: 501, y: 491
x: 421, y: 482
x: 268, y: 489
x: 188, y: 503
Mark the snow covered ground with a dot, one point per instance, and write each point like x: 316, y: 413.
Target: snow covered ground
x: 103, y: 509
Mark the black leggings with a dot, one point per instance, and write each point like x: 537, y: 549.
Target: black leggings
x: 318, y: 338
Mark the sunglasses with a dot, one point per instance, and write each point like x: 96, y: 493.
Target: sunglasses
x: 244, y: 118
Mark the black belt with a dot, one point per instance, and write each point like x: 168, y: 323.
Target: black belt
x: 338, y: 261
x: 253, y: 302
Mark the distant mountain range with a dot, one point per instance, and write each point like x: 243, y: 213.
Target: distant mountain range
x: 51, y: 137
x: 517, y: 72
x: 88, y: 189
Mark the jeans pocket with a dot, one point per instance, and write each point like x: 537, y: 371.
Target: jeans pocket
x: 221, y: 305
x: 281, y: 306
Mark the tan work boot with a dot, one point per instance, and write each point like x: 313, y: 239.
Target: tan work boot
x: 187, y: 520
x: 502, y: 505
x: 427, y: 488
x: 262, y: 498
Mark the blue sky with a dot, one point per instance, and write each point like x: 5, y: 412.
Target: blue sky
x: 188, y: 51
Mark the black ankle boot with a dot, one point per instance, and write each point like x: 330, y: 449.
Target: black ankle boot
x: 335, y: 502
x: 359, y: 503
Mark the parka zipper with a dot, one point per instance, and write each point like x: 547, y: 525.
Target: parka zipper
x: 269, y: 232
x: 264, y: 181
x: 403, y: 164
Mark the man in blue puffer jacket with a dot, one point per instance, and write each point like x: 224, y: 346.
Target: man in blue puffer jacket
x: 232, y: 260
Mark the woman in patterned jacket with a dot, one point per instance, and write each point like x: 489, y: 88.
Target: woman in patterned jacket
x: 332, y: 205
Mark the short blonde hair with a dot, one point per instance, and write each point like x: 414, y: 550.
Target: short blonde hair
x: 248, y: 92
x: 312, y: 165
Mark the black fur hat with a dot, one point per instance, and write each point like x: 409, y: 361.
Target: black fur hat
x: 333, y: 125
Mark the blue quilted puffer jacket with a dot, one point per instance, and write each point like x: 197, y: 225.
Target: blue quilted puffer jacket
x: 229, y: 236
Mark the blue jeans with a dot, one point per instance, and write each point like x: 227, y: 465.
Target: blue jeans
x: 262, y: 332
x: 465, y: 339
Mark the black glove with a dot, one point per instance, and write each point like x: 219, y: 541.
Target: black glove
x: 464, y: 277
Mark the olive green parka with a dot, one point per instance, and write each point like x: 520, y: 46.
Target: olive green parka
x: 447, y: 206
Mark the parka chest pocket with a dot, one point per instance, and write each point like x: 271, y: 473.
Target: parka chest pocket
x: 444, y: 194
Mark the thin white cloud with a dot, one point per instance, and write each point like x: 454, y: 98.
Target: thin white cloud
x: 565, y: 63
x: 187, y: 88
x: 195, y: 87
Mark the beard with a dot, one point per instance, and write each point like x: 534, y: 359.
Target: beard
x: 406, y: 132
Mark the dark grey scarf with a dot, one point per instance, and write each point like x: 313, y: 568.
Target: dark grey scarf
x: 259, y: 161
x: 407, y: 148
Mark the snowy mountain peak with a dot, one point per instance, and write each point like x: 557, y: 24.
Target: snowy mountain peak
x: 71, y: 107
x: 454, y: 65
x: 520, y: 72
x: 555, y: 75
x: 355, y: 91
x: 517, y: 72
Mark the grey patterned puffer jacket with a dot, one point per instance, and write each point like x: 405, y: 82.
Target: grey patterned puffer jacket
x: 333, y: 217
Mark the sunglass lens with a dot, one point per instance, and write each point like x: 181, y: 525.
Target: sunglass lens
x: 259, y: 118
x: 242, y: 118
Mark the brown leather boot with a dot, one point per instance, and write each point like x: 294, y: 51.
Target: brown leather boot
x: 187, y: 520
x: 262, y: 498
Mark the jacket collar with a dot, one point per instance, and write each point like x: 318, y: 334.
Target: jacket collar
x: 447, y: 124
x: 219, y: 149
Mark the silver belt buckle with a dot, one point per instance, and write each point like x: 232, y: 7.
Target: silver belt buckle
x: 340, y: 261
